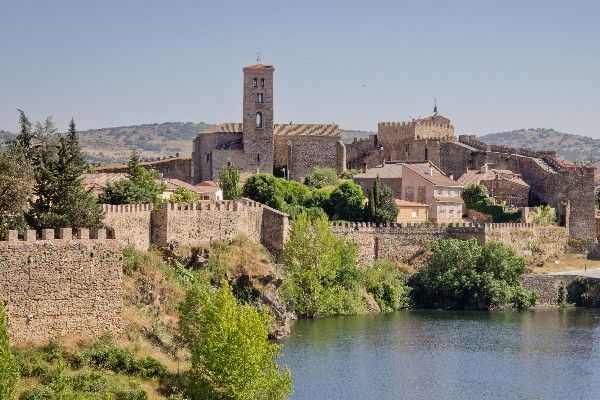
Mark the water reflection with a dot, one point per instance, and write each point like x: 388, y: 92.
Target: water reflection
x: 541, y: 354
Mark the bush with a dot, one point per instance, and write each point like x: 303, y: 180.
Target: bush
x: 387, y: 285
x: 465, y: 276
x: 321, y: 177
x: 576, y: 291
x: 477, y: 198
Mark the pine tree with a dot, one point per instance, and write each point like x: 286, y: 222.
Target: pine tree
x: 229, y: 179
x: 9, y: 372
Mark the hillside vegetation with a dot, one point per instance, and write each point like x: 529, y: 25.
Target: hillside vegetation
x: 571, y: 147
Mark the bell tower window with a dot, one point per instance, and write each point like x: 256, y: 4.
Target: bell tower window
x: 259, y: 122
x: 262, y: 82
x: 254, y: 82
x: 259, y: 97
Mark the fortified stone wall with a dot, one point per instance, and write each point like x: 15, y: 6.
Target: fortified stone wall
x: 548, y: 286
x: 362, y: 151
x: 172, y: 168
x: 402, y: 242
x: 56, y: 287
x: 130, y: 224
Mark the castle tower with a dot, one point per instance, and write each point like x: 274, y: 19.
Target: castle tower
x: 258, y: 117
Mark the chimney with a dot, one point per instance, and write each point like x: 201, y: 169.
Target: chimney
x: 451, y: 175
x: 365, y: 169
x: 485, y: 168
x: 430, y: 170
x: 466, y: 169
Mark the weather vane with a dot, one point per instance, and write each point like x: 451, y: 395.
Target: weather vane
x: 258, y: 56
x: 435, y: 106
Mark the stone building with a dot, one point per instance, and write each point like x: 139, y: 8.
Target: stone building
x: 504, y: 186
x: 259, y: 145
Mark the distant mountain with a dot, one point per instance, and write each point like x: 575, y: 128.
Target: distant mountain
x: 571, y: 147
x: 349, y: 135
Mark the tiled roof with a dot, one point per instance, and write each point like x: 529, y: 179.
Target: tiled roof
x: 259, y: 67
x: 448, y: 199
x: 438, y: 178
x: 306, y: 130
x: 208, y: 183
x: 406, y: 203
x: 386, y: 171
x: 477, y: 176
x: 176, y: 183
x: 329, y: 130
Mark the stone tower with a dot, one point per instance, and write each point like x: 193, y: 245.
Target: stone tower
x: 258, y: 117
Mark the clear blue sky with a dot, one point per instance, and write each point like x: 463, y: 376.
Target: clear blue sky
x: 492, y: 65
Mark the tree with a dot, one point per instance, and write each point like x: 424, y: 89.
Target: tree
x: 232, y: 357
x: 346, y: 202
x: 381, y: 207
x: 140, y: 186
x: 16, y: 188
x: 9, y: 370
x: 229, y: 180
x: 321, y: 177
x: 475, y: 196
x: 543, y: 215
x: 465, y: 276
x: 321, y: 274
x: 183, y: 195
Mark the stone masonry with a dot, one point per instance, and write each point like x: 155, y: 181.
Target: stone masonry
x: 54, y: 287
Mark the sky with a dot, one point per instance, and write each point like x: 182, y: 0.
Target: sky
x: 493, y: 66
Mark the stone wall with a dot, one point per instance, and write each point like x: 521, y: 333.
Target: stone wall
x: 204, y: 144
x: 362, y: 151
x: 303, y: 153
x: 402, y: 242
x: 59, y: 287
x: 172, y: 168
x: 548, y: 286
x: 130, y: 224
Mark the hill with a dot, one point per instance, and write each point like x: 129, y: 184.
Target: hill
x: 571, y: 147
x: 348, y: 135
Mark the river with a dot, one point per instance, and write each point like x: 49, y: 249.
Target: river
x: 537, y: 354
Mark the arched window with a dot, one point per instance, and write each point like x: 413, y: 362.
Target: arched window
x: 254, y: 82
x: 259, y: 120
x: 259, y: 97
x: 262, y: 82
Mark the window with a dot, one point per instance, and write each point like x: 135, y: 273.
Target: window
x: 258, y: 158
x: 254, y: 83
x: 259, y: 122
x: 415, y: 213
x: 207, y: 157
x: 259, y: 97
x: 262, y: 82
x: 229, y: 163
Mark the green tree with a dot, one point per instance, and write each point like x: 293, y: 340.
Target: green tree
x: 16, y: 188
x: 140, y: 186
x: 543, y: 215
x: 475, y: 196
x: 381, y: 207
x: 321, y: 274
x: 387, y: 285
x: 232, y: 357
x: 183, y: 195
x: 465, y: 276
x: 321, y: 177
x: 9, y: 371
x: 229, y: 181
x: 346, y: 202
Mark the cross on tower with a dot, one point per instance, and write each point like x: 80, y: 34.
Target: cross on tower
x: 258, y: 56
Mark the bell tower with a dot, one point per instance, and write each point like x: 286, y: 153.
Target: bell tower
x: 258, y: 117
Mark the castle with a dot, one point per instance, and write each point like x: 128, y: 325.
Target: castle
x: 259, y: 145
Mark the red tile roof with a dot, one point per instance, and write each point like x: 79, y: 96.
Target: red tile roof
x: 260, y: 67
x: 406, y: 203
x: 438, y: 178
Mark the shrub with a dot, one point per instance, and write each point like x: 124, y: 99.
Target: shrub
x: 387, y: 285
x: 576, y: 291
x: 321, y: 177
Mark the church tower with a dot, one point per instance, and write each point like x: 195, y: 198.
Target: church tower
x: 258, y: 117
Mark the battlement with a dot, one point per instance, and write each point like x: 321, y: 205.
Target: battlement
x: 467, y: 227
x: 414, y: 123
x: 64, y: 234
x: 126, y: 208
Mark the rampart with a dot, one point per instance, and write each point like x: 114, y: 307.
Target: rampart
x: 129, y: 223
x: 403, y: 242
x: 53, y: 287
x: 365, y: 150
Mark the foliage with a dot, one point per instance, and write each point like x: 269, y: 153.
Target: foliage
x: 140, y: 187
x: 229, y: 181
x: 475, y: 195
x: 321, y: 177
x: 183, y: 195
x: 9, y: 372
x: 387, y: 285
x: 381, y: 207
x: 59, y: 199
x: 563, y: 296
x: 16, y: 188
x: 231, y: 355
x: 465, y: 276
x: 577, y: 291
x: 321, y: 274
x: 346, y: 202
x: 543, y: 215
x: 349, y: 173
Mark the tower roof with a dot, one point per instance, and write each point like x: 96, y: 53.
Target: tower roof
x: 259, y: 67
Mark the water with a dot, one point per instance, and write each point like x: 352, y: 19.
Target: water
x: 541, y: 354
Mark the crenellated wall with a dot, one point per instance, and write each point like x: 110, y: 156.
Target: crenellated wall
x: 54, y: 287
x: 130, y: 223
x: 402, y: 242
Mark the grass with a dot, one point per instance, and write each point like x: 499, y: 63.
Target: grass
x: 567, y: 262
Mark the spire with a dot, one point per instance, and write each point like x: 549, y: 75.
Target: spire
x: 435, y: 112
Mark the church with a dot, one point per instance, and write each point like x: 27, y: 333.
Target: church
x: 257, y: 144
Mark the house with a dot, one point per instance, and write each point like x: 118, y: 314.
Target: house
x: 207, y: 190
x: 97, y: 182
x: 504, y: 185
x: 425, y: 183
x: 389, y: 175
x: 409, y: 211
